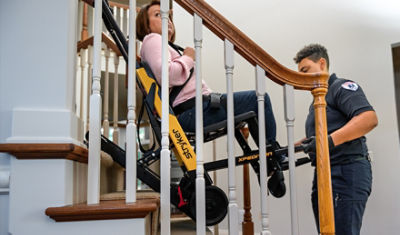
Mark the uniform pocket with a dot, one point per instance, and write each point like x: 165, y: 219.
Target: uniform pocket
x: 358, y: 178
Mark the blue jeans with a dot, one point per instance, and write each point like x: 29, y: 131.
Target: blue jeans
x: 351, y: 186
x: 244, y: 101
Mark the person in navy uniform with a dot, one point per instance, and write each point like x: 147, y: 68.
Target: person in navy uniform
x: 349, y: 117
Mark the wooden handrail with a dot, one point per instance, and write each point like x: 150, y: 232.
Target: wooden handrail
x: 253, y: 53
x: 89, y: 2
x: 112, y: 4
x: 118, y: 5
x: 104, y: 38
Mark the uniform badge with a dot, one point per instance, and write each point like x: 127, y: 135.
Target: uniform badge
x: 352, y: 86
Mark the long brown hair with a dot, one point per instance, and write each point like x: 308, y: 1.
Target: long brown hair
x: 142, y: 21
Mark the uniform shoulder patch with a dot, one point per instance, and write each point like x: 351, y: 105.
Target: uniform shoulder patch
x: 352, y: 86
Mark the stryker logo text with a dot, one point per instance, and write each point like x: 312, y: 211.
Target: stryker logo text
x: 182, y: 144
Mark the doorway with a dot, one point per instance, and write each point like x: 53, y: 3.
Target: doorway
x: 396, y: 71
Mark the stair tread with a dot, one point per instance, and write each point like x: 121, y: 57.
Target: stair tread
x: 46, y: 151
x: 108, y: 209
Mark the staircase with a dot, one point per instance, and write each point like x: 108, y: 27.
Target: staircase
x: 49, y: 163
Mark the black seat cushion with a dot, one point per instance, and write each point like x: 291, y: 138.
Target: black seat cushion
x: 218, y: 129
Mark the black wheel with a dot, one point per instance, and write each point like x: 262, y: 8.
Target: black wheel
x: 216, y: 205
x: 276, y: 184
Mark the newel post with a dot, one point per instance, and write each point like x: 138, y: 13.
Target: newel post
x: 325, y: 203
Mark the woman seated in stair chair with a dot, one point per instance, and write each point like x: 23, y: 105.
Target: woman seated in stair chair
x: 148, y: 26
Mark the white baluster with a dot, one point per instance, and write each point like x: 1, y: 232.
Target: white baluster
x: 83, y: 67
x: 77, y: 84
x: 115, y: 106
x: 131, y: 153
x: 233, y: 207
x: 89, y: 84
x: 165, y: 152
x: 118, y: 16
x: 289, y: 117
x: 214, y: 151
x: 106, y: 123
x: 200, y: 182
x: 91, y: 16
x: 95, y: 113
x: 260, y: 82
x: 125, y: 20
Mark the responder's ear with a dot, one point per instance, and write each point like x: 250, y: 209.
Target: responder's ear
x: 322, y: 64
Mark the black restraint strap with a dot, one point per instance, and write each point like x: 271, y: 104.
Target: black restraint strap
x: 177, y: 89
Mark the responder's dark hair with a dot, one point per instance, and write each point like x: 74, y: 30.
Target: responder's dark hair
x: 313, y: 52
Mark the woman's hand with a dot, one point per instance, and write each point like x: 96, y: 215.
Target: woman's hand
x: 189, y: 51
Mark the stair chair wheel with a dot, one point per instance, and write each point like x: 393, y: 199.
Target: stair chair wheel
x: 216, y: 205
x: 276, y: 184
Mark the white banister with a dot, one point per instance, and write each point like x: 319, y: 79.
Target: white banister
x: 289, y: 117
x: 200, y: 182
x: 90, y: 11
x: 260, y: 90
x: 165, y: 152
x: 89, y: 84
x: 118, y: 13
x: 82, y: 54
x: 77, y: 85
x: 125, y: 14
x: 106, y: 123
x: 131, y: 153
x: 95, y: 113
x: 233, y: 207
x: 115, y: 106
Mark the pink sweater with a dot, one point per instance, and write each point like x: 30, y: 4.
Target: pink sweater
x: 179, y: 67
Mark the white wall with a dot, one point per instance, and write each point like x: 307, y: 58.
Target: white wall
x: 37, y: 70
x: 358, y: 36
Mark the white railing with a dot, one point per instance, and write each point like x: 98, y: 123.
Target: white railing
x: 131, y: 153
x: 289, y: 117
x: 93, y: 196
x: 115, y: 101
x: 165, y: 152
x: 84, y: 74
x: 122, y: 15
x: 233, y: 207
x: 200, y: 181
x: 106, y: 123
x: 260, y: 91
x: 84, y: 87
x: 88, y: 90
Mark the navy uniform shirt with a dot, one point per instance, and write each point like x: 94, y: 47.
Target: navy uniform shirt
x: 345, y: 99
